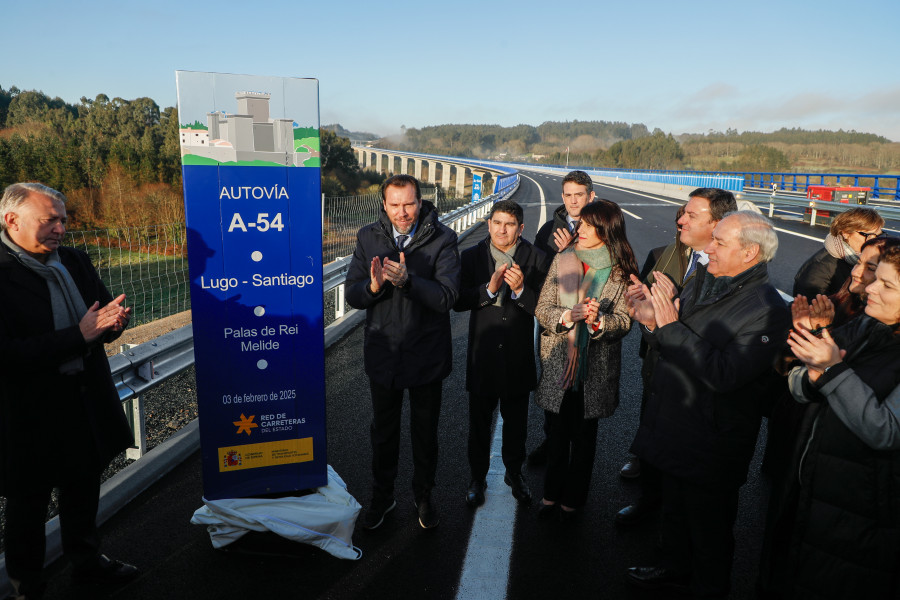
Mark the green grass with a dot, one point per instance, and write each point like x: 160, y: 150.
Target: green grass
x: 155, y: 286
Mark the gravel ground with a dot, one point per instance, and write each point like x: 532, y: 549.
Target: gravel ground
x: 167, y: 408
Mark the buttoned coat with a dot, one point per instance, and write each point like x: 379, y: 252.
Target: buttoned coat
x: 52, y: 425
x: 407, y: 334
x: 601, y: 385
x: 500, y: 356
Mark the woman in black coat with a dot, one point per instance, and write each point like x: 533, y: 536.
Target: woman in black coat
x: 827, y: 270
x: 846, y: 536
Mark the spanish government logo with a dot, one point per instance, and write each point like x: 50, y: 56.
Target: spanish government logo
x: 232, y: 458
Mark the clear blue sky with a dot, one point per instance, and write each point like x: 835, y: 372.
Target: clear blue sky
x: 680, y: 66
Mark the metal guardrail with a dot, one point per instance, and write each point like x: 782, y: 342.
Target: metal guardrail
x: 800, y: 182
x: 889, y: 213
x: 139, y: 368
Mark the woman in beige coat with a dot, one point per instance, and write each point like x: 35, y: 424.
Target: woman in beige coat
x: 583, y: 313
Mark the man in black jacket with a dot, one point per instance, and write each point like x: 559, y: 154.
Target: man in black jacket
x: 61, y: 421
x: 501, y: 281
x: 716, y: 345
x: 678, y: 261
x: 405, y: 274
x: 553, y: 237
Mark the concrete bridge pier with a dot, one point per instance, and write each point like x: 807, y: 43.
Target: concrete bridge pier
x: 460, y: 181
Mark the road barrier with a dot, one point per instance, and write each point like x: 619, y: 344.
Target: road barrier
x: 890, y: 213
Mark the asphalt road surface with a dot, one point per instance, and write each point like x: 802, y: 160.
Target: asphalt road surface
x: 512, y: 554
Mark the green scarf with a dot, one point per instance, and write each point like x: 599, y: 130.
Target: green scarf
x: 599, y: 263
x: 502, y: 258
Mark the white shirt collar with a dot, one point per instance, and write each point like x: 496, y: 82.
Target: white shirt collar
x: 410, y: 234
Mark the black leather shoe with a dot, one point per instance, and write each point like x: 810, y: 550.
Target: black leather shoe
x: 475, y: 495
x: 538, y: 456
x: 519, y: 487
x: 631, y: 469
x: 635, y: 513
x: 428, y: 517
x: 377, y: 511
x: 106, y: 570
x: 656, y: 578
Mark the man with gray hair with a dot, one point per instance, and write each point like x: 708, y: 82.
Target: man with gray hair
x: 717, y: 343
x: 679, y: 261
x: 61, y: 421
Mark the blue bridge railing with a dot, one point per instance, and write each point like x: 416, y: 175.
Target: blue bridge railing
x: 885, y: 187
x: 725, y: 181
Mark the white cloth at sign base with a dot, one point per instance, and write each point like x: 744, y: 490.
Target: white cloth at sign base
x: 324, y: 518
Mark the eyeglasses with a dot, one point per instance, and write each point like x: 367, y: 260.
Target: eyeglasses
x: 866, y: 235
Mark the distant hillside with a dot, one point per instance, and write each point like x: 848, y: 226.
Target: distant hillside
x: 483, y: 141
x: 617, y: 144
x: 791, y: 150
x: 786, y: 136
x: 353, y: 136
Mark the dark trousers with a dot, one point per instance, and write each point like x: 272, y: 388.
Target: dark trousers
x: 26, y: 514
x: 651, y: 477
x: 424, y: 410
x: 514, y: 410
x: 697, y: 528
x: 651, y: 484
x: 570, y: 453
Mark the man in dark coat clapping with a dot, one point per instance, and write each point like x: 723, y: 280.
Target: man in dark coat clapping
x: 405, y: 274
x: 61, y: 421
x: 501, y: 281
x: 716, y: 345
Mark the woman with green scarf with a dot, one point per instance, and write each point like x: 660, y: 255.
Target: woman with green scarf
x: 583, y: 313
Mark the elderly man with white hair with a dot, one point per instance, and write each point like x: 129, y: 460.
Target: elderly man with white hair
x: 61, y: 421
x: 717, y: 343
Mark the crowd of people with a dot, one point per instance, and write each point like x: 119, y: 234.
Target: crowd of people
x: 721, y: 350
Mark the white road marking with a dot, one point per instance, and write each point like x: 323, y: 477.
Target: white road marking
x: 808, y: 237
x: 631, y: 214
x: 644, y: 195
x: 543, y: 217
x: 485, y: 573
